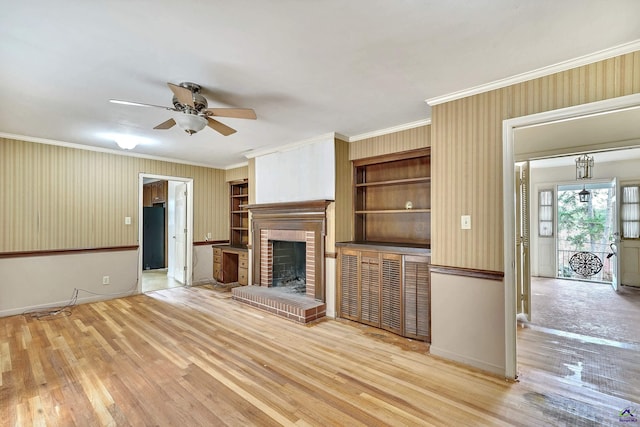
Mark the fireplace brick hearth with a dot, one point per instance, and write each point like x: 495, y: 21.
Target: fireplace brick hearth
x: 292, y: 222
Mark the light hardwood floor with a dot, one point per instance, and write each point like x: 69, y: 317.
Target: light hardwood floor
x: 194, y: 357
x: 154, y: 280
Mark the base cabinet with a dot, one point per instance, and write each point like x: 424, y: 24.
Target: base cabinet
x: 387, y: 290
x: 230, y: 264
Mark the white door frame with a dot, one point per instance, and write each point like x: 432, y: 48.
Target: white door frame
x: 509, y: 203
x: 189, y: 255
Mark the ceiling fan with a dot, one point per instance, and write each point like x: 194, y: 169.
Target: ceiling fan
x: 193, y: 112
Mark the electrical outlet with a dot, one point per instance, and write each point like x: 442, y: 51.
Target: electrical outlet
x: 127, y: 220
x: 105, y: 280
x: 209, y: 235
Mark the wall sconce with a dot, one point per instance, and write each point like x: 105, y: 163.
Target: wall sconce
x: 584, y: 167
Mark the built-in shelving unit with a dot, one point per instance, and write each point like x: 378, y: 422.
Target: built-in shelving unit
x: 239, y: 220
x: 392, y: 198
x: 383, y: 274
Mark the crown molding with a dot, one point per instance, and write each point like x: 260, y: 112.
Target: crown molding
x: 540, y: 72
x: 393, y: 129
x: 237, y: 165
x: 286, y: 147
x: 100, y: 149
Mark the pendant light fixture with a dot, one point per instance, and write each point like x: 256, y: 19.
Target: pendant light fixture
x: 584, y: 170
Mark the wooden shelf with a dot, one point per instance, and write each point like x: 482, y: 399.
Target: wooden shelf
x: 394, y: 211
x: 239, y: 216
x: 421, y: 180
x: 383, y: 187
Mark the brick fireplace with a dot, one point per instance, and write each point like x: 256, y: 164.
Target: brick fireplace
x: 296, y: 222
x: 269, y: 237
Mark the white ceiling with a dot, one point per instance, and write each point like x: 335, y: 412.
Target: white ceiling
x: 607, y: 136
x: 307, y: 67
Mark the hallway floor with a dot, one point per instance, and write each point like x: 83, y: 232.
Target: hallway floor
x: 587, y: 334
x: 587, y: 308
x: 155, y: 280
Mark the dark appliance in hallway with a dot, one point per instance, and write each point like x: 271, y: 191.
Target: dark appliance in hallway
x: 153, y: 236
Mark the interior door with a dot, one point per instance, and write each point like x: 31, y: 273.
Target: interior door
x: 181, y: 233
x: 615, y: 247
x: 546, y: 233
x: 523, y: 265
x: 629, y: 247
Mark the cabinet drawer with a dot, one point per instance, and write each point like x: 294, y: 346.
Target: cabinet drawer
x: 217, y: 272
x: 217, y: 259
x: 243, y: 276
x: 243, y: 256
x: 243, y: 263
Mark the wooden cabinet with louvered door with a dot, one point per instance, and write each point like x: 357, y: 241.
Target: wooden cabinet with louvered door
x: 386, y: 287
x: 348, y: 284
x: 417, y: 298
x: 370, y: 288
x: 391, y: 293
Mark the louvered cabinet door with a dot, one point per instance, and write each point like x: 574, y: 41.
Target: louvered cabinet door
x: 417, y: 298
x: 391, y: 293
x: 348, y: 292
x: 370, y: 288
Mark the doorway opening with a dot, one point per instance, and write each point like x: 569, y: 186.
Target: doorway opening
x: 514, y: 150
x: 586, y: 232
x: 166, y: 222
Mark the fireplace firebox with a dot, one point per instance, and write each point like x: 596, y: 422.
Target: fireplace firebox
x: 289, y: 265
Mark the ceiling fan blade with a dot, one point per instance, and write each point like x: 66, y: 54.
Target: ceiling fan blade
x: 166, y: 125
x: 238, y: 113
x: 183, y: 94
x: 138, y: 104
x: 220, y: 127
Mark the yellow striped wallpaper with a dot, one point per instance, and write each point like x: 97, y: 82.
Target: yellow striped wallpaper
x: 405, y: 140
x: 56, y: 197
x: 236, y: 174
x: 339, y: 222
x: 466, y: 138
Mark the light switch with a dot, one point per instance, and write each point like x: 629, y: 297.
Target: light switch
x: 127, y: 220
x: 465, y: 222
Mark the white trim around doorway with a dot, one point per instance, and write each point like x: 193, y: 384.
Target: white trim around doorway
x: 509, y: 203
x: 189, y: 254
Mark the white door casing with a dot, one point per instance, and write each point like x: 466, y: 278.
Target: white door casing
x: 180, y: 236
x: 188, y: 258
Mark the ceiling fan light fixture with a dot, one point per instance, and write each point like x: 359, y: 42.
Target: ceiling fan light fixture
x: 191, y: 123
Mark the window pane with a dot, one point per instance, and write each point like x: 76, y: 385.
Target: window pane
x: 631, y: 230
x: 631, y: 195
x: 545, y: 198
x: 630, y: 212
x: 545, y: 213
x: 546, y: 228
